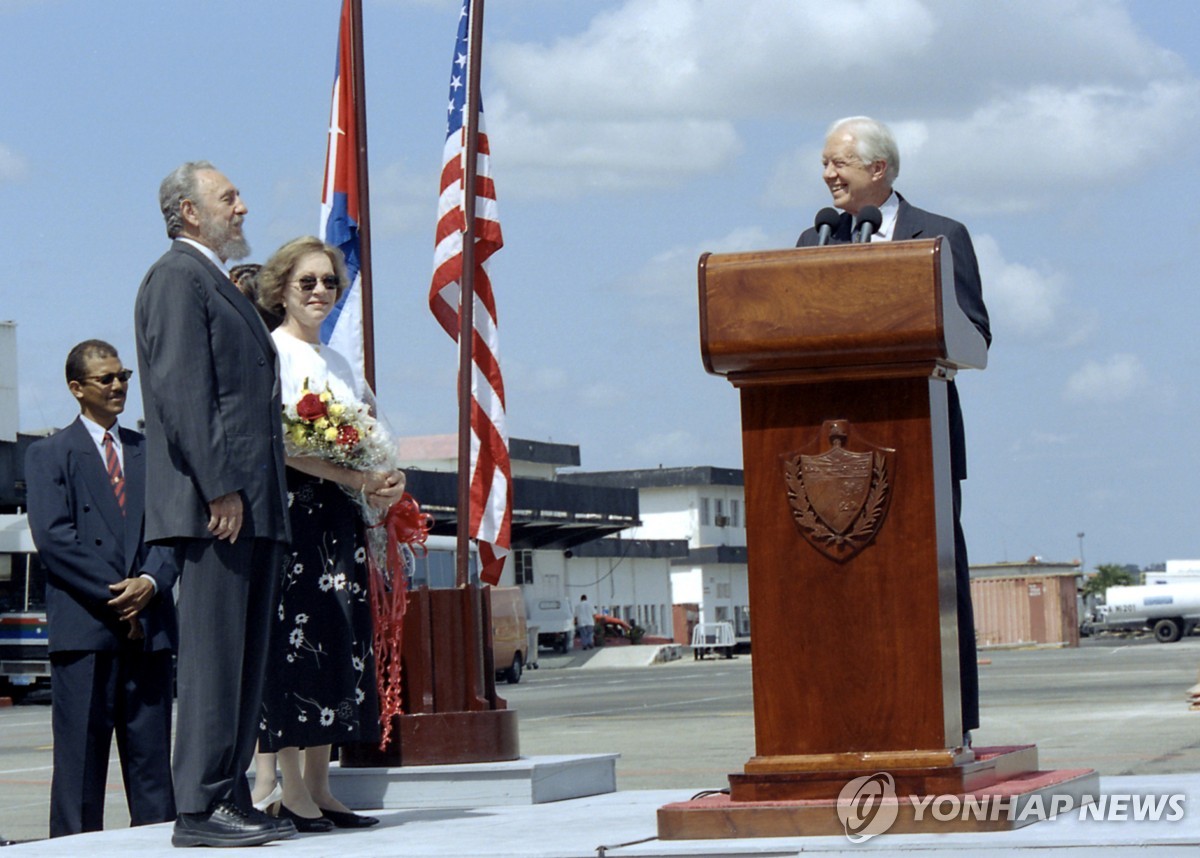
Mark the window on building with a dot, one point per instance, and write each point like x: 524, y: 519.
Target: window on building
x: 705, y: 516
x: 523, y: 566
x: 435, y: 570
x: 741, y: 617
x: 724, y: 591
x: 735, y: 513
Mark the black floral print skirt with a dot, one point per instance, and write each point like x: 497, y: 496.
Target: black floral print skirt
x: 320, y: 685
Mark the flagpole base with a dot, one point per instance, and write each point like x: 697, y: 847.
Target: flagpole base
x: 441, y: 738
x: 451, y: 712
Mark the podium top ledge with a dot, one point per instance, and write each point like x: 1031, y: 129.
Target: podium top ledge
x: 860, y: 307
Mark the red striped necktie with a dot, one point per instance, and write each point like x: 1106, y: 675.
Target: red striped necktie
x: 114, y: 471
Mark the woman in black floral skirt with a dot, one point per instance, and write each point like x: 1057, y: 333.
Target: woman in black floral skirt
x: 320, y: 688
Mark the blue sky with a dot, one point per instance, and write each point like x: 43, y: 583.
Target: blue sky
x: 629, y: 136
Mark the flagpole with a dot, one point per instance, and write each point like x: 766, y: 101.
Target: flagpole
x: 466, y: 302
x: 364, y: 208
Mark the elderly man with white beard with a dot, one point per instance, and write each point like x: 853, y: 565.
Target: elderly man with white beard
x: 216, y: 494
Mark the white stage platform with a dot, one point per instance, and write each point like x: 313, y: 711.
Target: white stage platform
x: 529, y: 780
x: 623, y: 825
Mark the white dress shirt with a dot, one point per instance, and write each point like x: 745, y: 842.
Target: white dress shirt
x: 98, y: 432
x: 208, y: 252
x: 888, y: 212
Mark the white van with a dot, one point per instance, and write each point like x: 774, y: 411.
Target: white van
x: 554, y: 620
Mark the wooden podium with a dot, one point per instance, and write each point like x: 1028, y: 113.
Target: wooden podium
x: 842, y: 356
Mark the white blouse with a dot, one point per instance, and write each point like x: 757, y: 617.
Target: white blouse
x: 319, y: 364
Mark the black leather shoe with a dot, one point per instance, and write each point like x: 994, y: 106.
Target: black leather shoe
x: 285, y: 826
x: 305, y: 824
x: 225, y: 825
x: 348, y: 819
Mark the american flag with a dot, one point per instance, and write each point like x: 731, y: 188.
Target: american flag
x: 343, y: 329
x: 491, y: 474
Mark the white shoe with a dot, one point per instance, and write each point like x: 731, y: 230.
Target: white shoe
x: 274, y: 797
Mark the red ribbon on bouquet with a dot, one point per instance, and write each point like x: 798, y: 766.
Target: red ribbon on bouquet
x: 404, y: 524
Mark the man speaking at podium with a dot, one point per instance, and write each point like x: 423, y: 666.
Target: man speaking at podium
x: 861, y: 162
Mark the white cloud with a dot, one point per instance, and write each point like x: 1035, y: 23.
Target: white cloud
x: 563, y: 157
x: 401, y: 201
x: 550, y: 378
x: 13, y: 166
x: 1051, y: 439
x: 679, y: 445
x: 652, y: 92
x: 648, y: 93
x: 1026, y: 151
x: 666, y: 286
x: 601, y: 394
x: 1116, y: 379
x: 1050, y: 102
x: 655, y: 58
x: 1032, y: 149
x: 673, y: 272
x: 1038, y: 444
x: 1020, y: 299
x: 448, y: 5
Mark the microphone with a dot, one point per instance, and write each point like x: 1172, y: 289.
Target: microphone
x: 826, y: 222
x: 869, y: 220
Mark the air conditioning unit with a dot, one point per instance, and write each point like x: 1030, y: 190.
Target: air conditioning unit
x: 722, y: 520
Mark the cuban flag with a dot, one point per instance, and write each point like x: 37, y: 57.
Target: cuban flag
x: 343, y: 329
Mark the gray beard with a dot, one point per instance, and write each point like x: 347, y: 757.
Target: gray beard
x: 219, y: 235
x: 233, y: 248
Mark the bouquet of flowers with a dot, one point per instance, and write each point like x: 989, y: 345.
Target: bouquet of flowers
x: 319, y: 424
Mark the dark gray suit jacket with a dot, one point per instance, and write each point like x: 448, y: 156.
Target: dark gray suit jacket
x: 911, y: 223
x: 86, y: 544
x: 210, y: 389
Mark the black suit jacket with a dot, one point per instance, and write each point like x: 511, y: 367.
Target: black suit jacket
x: 86, y: 544
x: 911, y: 223
x: 210, y: 388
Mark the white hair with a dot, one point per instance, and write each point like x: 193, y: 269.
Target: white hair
x: 873, y: 142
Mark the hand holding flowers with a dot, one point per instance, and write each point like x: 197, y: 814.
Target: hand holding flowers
x: 383, y: 488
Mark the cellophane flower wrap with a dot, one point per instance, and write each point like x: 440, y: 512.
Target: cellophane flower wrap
x: 347, y: 433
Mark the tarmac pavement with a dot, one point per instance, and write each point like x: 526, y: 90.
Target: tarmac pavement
x: 1117, y: 706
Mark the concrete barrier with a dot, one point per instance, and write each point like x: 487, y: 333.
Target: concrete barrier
x: 633, y: 656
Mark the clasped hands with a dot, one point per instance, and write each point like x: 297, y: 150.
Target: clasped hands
x: 131, y: 595
x: 383, y: 488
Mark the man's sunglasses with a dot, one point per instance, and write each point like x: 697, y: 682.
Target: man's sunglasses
x: 109, y: 377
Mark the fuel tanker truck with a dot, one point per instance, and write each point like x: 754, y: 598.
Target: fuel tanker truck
x: 1170, y: 610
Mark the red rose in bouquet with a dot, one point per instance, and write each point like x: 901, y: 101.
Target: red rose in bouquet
x: 310, y: 407
x: 347, y: 436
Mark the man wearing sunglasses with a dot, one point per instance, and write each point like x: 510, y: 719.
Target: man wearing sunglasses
x: 216, y: 493
x: 109, y: 604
